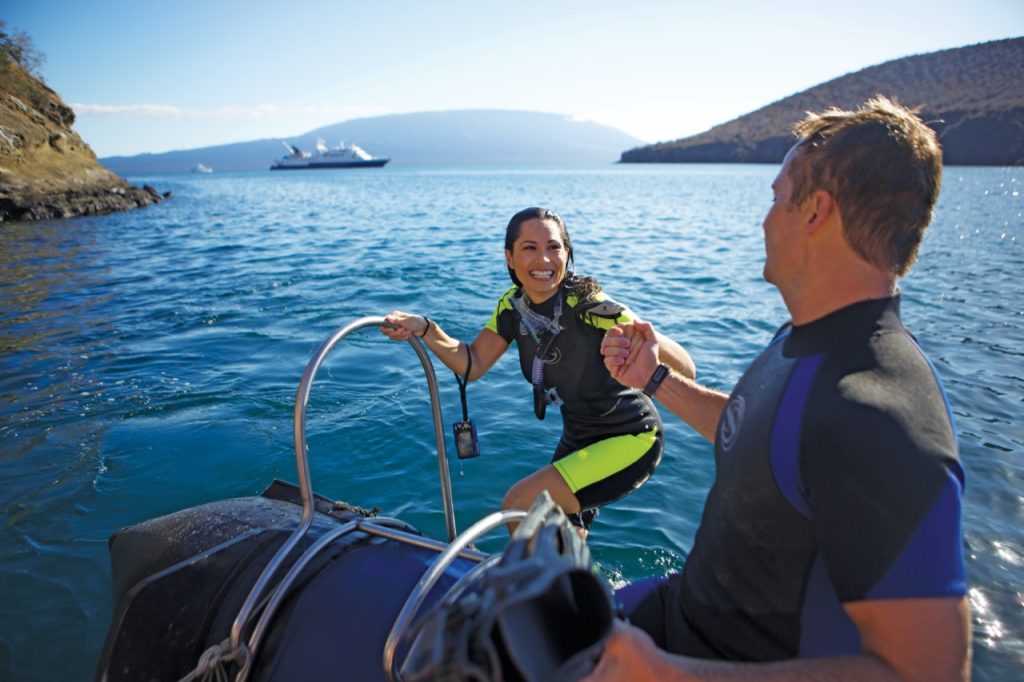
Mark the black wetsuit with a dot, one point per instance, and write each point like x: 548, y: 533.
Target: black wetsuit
x: 611, y: 435
x: 838, y: 480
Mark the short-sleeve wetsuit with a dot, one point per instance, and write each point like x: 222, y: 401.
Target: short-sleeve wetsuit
x: 611, y: 435
x: 837, y: 480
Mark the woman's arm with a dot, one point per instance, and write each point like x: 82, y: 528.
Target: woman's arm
x: 486, y: 348
x: 675, y: 356
x: 632, y: 351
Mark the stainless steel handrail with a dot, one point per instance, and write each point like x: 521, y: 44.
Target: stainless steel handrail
x: 282, y: 588
x: 381, y: 526
x: 302, y: 464
x: 306, y: 384
x: 419, y: 594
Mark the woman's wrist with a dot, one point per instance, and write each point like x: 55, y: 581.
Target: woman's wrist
x: 426, y: 328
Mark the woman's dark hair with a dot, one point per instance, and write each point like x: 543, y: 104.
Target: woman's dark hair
x: 583, y: 287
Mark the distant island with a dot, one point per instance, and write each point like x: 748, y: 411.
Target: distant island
x: 460, y: 136
x: 972, y: 96
x: 46, y: 170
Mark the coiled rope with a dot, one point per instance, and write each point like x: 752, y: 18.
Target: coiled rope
x: 213, y: 664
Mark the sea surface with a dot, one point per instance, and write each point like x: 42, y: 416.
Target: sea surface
x: 149, y: 362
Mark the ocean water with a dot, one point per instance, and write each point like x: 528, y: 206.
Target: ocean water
x: 149, y: 362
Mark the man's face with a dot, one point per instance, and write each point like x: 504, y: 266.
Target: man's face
x: 782, y: 228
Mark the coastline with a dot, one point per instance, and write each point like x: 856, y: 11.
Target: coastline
x: 69, y: 203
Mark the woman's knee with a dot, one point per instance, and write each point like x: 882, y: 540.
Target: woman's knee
x: 523, y: 493
x: 518, y: 496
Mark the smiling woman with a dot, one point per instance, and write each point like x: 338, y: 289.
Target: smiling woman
x: 611, y: 436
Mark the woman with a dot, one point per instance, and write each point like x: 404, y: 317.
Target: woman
x: 611, y: 435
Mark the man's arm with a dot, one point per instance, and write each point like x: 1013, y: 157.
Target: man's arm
x: 631, y: 353
x: 917, y: 639
x: 904, y: 640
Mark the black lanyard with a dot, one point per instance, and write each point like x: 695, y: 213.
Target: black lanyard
x: 466, y: 444
x: 463, y: 380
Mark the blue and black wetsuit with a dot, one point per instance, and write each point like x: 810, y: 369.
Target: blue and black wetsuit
x: 838, y: 480
x: 611, y: 435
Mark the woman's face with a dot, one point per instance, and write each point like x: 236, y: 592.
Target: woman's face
x: 539, y: 258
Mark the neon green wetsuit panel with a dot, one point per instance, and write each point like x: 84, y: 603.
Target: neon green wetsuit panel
x: 603, y: 459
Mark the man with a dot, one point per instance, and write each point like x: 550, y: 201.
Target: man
x: 830, y: 543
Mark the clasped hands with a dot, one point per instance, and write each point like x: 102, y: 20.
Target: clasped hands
x: 630, y: 352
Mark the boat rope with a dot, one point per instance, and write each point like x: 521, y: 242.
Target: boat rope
x: 213, y: 664
x: 339, y: 505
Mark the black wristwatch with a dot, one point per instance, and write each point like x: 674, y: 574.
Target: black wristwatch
x: 660, y: 372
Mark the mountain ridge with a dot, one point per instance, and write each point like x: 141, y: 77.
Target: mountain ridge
x: 454, y: 136
x: 973, y: 96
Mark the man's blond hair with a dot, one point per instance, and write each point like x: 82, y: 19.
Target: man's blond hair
x: 883, y: 167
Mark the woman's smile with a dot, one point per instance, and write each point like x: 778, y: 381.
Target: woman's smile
x: 539, y: 258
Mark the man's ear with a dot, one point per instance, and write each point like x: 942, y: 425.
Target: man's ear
x: 817, y: 208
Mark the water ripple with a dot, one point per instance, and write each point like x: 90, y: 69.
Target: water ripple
x: 149, y: 362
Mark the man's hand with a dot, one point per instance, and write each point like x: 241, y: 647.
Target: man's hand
x: 629, y: 654
x: 631, y: 352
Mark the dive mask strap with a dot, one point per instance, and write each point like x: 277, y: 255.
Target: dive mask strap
x: 545, y: 336
x: 541, y: 397
x: 536, y: 323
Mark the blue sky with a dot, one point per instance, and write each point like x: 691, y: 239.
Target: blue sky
x: 147, y: 76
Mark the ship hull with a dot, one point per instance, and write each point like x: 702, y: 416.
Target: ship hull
x: 320, y: 165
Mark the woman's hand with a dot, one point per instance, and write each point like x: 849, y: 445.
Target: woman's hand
x: 406, y: 325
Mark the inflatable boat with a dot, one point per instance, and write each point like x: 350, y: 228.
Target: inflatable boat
x: 290, y: 585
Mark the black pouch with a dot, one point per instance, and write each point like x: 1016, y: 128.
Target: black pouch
x: 466, y: 445
x: 540, y: 400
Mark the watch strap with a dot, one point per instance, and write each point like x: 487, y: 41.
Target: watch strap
x: 660, y: 372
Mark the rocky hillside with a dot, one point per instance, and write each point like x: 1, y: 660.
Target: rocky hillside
x: 46, y: 170
x: 972, y: 96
